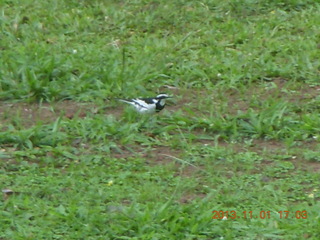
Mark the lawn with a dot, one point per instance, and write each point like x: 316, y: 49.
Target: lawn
x: 234, y: 155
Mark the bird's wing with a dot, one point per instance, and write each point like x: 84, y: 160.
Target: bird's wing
x: 148, y: 100
x: 141, y: 103
x: 145, y: 107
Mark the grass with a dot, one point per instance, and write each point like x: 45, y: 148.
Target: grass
x: 241, y: 133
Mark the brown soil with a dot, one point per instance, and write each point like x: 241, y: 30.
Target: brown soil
x: 161, y: 155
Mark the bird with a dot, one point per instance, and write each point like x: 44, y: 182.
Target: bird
x: 147, y: 105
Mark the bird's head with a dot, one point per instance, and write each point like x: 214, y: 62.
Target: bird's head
x: 162, y: 98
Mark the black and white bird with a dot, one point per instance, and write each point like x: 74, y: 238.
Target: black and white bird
x: 147, y: 105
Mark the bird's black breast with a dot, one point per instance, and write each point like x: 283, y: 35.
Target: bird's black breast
x: 159, y: 107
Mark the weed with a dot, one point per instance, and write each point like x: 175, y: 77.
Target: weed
x: 241, y: 134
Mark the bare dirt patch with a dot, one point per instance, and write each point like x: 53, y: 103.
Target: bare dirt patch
x: 29, y: 114
x: 315, y: 166
x: 159, y: 155
x: 187, y: 198
x: 162, y: 155
x: 236, y: 100
x: 32, y: 113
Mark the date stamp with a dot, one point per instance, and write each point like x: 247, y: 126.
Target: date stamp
x: 259, y: 215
